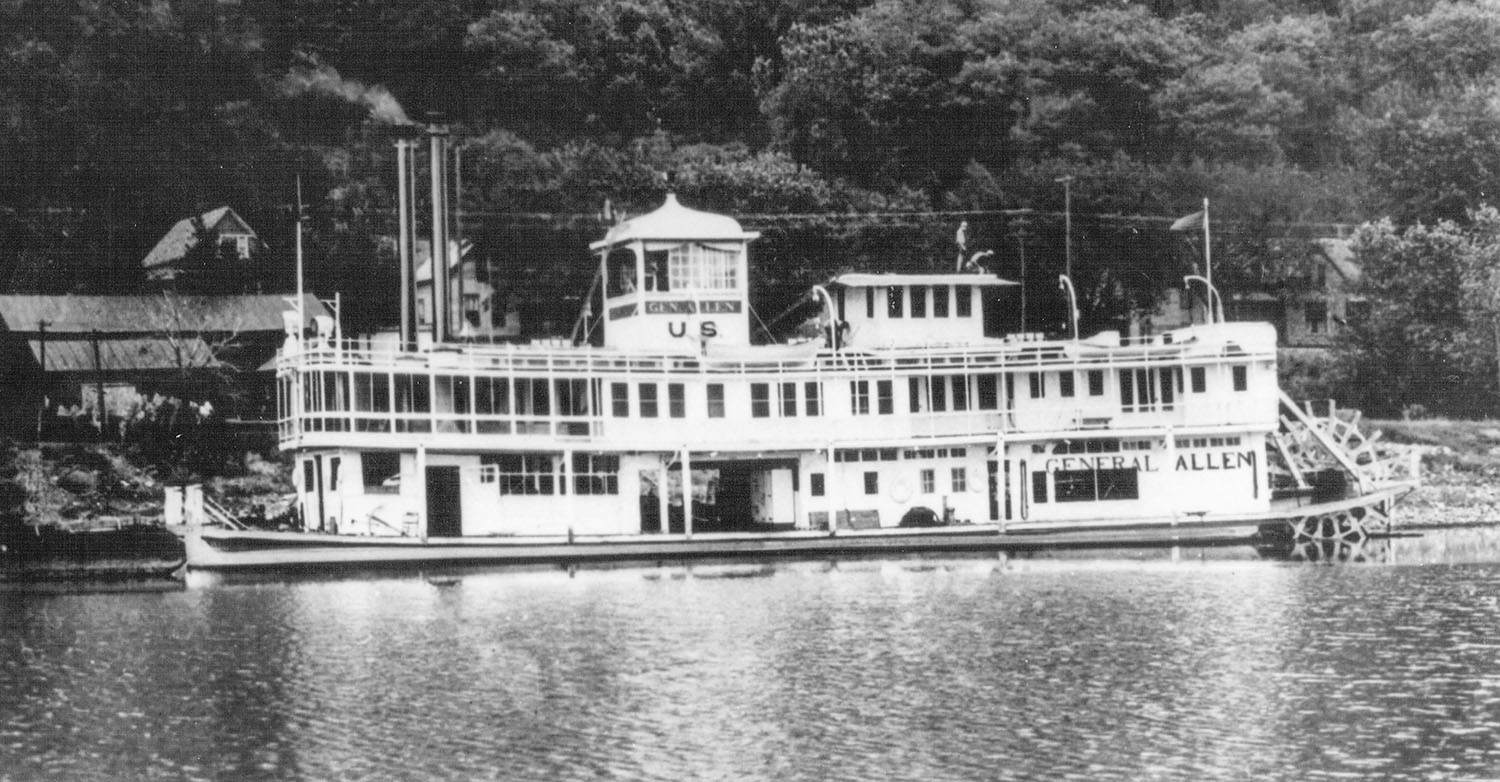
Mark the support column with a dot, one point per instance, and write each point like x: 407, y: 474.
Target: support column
x: 1170, y: 449
x: 662, y: 496
x: 835, y: 493
x: 687, y: 492
x: 420, y: 485
x: 569, y: 487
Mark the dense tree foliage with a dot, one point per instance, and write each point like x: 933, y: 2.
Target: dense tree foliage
x: 120, y: 117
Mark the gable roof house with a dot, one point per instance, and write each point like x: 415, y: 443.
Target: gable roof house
x: 74, y: 350
x: 227, y: 227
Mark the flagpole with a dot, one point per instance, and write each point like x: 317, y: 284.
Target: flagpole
x: 1208, y: 258
x: 301, y: 313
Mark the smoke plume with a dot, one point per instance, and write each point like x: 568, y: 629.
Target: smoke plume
x: 317, y: 78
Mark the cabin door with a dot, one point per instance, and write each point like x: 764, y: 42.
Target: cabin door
x: 444, y: 503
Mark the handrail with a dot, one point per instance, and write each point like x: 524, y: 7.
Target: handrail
x: 219, y: 514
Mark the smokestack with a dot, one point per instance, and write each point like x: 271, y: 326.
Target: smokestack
x: 405, y: 240
x: 438, y: 136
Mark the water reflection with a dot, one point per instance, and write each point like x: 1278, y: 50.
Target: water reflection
x: 1216, y: 663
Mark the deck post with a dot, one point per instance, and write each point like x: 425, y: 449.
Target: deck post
x: 687, y: 492
x: 835, y: 493
x: 662, y: 476
x: 420, y: 483
x: 1170, y: 448
x: 571, y: 487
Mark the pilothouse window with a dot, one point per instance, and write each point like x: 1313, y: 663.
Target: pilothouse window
x: 697, y: 266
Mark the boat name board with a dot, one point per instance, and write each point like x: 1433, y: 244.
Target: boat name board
x: 708, y: 307
x: 1188, y: 462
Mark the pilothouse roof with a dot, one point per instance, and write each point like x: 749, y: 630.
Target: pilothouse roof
x: 673, y: 221
x: 890, y: 279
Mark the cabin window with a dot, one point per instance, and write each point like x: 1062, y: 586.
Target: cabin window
x: 1138, y: 390
x: 572, y: 397
x: 914, y: 394
x: 452, y: 393
x: 869, y: 294
x: 676, y: 400
x: 960, y: 479
x: 335, y: 391
x: 872, y: 482
x: 963, y: 304
x: 529, y: 473
x: 697, y: 266
x: 372, y: 392
x: 715, y: 400
x: 919, y: 301
x: 1199, y: 377
x: 1097, y: 485
x: 1038, y: 383
x: 412, y: 396
x: 812, y: 397
x: 1039, y: 487
x: 894, y: 303
x: 622, y: 271
x: 1169, y: 382
x: 1065, y: 382
x: 380, y: 471
x: 789, y: 400
x: 940, y: 300
x: 307, y: 475
x: 1096, y: 382
x: 656, y: 271
x: 648, y: 400
x: 885, y: 397
x: 760, y: 400
x: 334, y: 465
x: 1241, y: 378
x: 960, y: 392
x: 928, y: 479
x: 596, y: 473
x: 988, y: 392
x: 619, y: 398
x: 859, y: 396
x: 815, y: 484
x: 937, y: 394
x: 491, y: 395
x: 532, y: 397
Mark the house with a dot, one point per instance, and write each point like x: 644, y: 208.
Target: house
x: 483, y: 312
x: 81, y: 351
x: 1309, y: 312
x: 228, y: 228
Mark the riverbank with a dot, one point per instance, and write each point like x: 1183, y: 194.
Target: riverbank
x: 1460, y: 469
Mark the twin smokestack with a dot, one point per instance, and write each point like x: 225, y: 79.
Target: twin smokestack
x: 406, y: 206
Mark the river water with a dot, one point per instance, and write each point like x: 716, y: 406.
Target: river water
x: 1183, y: 665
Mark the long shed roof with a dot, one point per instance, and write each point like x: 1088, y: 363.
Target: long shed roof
x: 151, y: 353
x: 147, y: 314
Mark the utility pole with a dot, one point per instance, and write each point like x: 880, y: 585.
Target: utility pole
x: 1021, y: 247
x: 98, y: 380
x: 1067, y: 183
x: 41, y: 412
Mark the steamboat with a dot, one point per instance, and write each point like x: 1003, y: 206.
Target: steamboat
x: 901, y: 427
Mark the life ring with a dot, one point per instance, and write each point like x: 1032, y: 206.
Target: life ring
x: 900, y: 491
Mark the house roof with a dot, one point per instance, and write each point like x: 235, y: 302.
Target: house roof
x: 457, y: 253
x: 152, y: 314
x: 182, y: 236
x: 673, y: 221
x: 160, y: 353
x: 1340, y: 254
x: 885, y: 279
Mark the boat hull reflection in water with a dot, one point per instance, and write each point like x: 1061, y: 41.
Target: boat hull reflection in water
x: 1207, y: 664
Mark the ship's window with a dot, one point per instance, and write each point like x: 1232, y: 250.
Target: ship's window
x: 334, y: 464
x: 760, y: 400
x: 914, y: 393
x: 919, y: 301
x: 412, y: 394
x: 1138, y: 390
x: 1038, y: 384
x: 380, y: 471
x: 1092, y: 485
x: 894, y: 296
x: 987, y: 387
x: 530, y: 473
x: 869, y: 294
x: 788, y: 393
x: 1199, y: 377
x: 929, y: 481
x: 960, y: 392
x: 812, y: 397
x: 491, y: 395
x: 335, y: 391
x: 1096, y: 382
x: 1241, y: 379
x: 1065, y: 383
x: 621, y: 265
x: 697, y: 266
x: 619, y: 399
x: 307, y: 475
x: 676, y: 400
x: 859, y: 396
x: 1169, y: 380
x: 815, y: 484
x: 596, y: 473
x: 532, y: 397
x: 960, y: 478
x: 1039, y: 487
x: 940, y: 295
x: 372, y: 392
x: 648, y: 400
x: 452, y: 394
x: 656, y: 270
x: 715, y: 400
x: 937, y: 394
x: 872, y: 483
x: 572, y: 397
x: 885, y: 397
x: 963, y: 304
